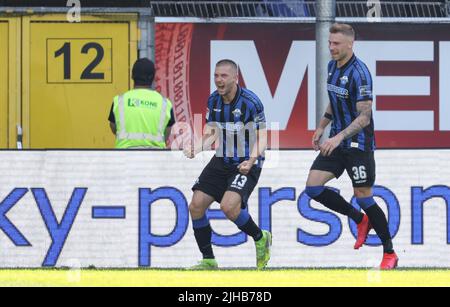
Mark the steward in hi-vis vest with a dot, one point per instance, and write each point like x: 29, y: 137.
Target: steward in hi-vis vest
x: 141, y: 117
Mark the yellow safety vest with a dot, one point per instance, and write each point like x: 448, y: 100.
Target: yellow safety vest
x: 141, y: 117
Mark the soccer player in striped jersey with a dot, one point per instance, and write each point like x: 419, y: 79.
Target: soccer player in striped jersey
x: 351, y: 144
x: 235, y: 119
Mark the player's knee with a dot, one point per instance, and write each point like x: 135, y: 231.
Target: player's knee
x: 314, y: 191
x: 226, y: 209
x: 362, y: 192
x: 229, y: 210
x: 195, y: 209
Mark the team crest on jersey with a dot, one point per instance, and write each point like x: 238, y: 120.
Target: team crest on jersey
x: 344, y: 80
x: 237, y: 113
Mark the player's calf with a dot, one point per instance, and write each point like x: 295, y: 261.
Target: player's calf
x: 332, y: 200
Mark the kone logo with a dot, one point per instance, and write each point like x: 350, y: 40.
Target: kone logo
x: 142, y: 103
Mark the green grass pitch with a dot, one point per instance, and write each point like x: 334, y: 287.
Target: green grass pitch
x: 224, y: 278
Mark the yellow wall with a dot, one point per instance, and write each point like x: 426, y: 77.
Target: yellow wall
x: 74, y: 70
x: 58, y: 79
x: 3, y: 85
x: 10, y: 82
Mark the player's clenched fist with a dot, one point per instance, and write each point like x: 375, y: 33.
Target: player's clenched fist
x: 245, y: 167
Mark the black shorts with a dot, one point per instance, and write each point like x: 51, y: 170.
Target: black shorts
x: 218, y: 177
x: 360, y: 165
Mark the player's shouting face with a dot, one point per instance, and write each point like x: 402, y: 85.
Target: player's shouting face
x: 225, y: 78
x: 340, y: 46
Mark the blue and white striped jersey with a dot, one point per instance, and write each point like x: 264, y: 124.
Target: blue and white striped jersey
x: 347, y: 86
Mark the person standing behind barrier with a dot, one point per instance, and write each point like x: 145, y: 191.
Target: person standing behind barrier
x: 141, y: 117
x: 351, y: 144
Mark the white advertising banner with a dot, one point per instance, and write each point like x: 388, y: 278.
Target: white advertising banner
x: 127, y: 209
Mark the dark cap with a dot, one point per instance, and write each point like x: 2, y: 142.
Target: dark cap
x: 143, y: 72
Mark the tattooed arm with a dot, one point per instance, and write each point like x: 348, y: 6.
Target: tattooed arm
x: 364, y: 109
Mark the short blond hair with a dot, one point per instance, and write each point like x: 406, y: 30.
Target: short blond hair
x: 343, y: 28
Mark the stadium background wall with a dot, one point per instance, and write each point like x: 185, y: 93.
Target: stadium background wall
x: 277, y: 62
x: 48, y: 89
x: 129, y: 209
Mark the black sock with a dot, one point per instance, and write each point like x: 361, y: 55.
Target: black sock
x: 203, y: 237
x: 380, y: 224
x: 336, y: 202
x: 252, y: 230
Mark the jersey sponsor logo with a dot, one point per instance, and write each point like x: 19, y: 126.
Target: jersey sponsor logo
x: 341, y: 92
x: 231, y: 127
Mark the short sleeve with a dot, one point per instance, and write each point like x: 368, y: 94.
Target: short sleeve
x: 258, y: 116
x: 208, y: 112
x: 363, y: 85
